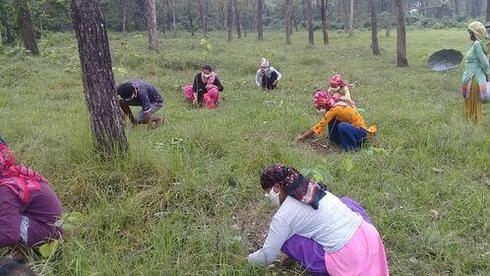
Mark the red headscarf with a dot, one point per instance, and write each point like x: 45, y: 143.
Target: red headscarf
x: 323, y: 100
x: 336, y: 81
x: 20, y: 179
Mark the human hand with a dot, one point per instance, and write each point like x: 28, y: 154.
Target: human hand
x: 275, y: 82
x: 194, y: 102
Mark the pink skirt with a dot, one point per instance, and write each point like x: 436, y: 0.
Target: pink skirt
x: 363, y: 255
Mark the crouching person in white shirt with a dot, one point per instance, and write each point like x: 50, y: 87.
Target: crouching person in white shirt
x: 327, y: 235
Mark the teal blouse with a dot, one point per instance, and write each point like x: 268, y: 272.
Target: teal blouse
x: 476, y: 64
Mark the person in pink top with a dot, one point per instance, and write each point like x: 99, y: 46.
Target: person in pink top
x: 29, y: 209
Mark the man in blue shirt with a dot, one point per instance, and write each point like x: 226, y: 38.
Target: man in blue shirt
x: 140, y: 93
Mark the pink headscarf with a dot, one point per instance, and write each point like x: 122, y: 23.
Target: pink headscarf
x: 20, y: 179
x: 323, y: 100
x: 336, y: 81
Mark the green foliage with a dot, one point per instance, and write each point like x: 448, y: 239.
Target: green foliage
x: 168, y: 208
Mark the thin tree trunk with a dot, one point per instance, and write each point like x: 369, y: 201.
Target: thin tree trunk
x: 229, y: 19
x: 401, y: 39
x: 174, y: 23
x: 124, y: 16
x: 98, y: 79
x: 456, y: 7
x: 374, y: 27
x: 345, y: 17
x: 191, y: 21
x: 151, y: 17
x: 487, y: 17
x: 260, y: 24
x: 203, y: 12
x: 351, y: 20
x: 25, y: 27
x: 9, y: 37
x: 309, y: 16
x: 237, y: 19
x: 323, y: 11
x: 287, y: 22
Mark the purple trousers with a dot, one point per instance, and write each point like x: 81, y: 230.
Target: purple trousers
x: 28, y: 223
x: 310, y: 253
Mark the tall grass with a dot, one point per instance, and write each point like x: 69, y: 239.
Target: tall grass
x: 167, y: 209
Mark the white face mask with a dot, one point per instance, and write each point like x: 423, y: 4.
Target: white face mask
x: 273, y: 197
x: 337, y: 89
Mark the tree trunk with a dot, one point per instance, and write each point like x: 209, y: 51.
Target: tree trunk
x: 174, y: 22
x: 487, y: 16
x: 25, y: 27
x: 229, y: 19
x: 98, y: 79
x: 124, y: 15
x: 260, y: 24
x: 237, y: 19
x: 323, y: 11
x: 456, y: 7
x: 191, y: 21
x: 287, y: 22
x: 345, y: 17
x: 309, y: 16
x: 9, y: 37
x: 151, y: 18
x: 203, y: 13
x: 401, y: 39
x: 351, y: 20
x: 374, y: 27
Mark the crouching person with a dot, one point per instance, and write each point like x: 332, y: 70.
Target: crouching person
x: 327, y: 235
x: 141, y: 93
x: 267, y: 76
x: 29, y: 209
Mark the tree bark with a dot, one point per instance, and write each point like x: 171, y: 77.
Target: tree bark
x: 323, y: 11
x: 25, y: 27
x: 98, y: 79
x: 401, y: 38
x: 260, y: 23
x: 151, y: 18
x: 237, y: 19
x: 287, y: 22
x: 204, y: 17
x: 229, y: 19
x: 309, y: 16
x: 374, y: 27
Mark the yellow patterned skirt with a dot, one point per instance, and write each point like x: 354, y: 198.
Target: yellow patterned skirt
x: 473, y: 106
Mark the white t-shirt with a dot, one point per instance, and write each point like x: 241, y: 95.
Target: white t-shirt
x: 258, y: 76
x: 332, y: 225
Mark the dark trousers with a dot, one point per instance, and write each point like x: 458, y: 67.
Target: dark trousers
x: 346, y: 135
x: 268, y: 82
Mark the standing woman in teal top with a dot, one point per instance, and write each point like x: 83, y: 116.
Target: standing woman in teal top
x: 475, y: 73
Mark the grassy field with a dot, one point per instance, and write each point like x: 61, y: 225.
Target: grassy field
x: 172, y: 206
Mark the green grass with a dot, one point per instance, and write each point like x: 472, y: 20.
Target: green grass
x: 167, y: 209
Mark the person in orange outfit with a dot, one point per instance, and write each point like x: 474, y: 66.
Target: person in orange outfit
x: 346, y: 127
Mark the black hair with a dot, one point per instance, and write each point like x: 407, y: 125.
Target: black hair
x: 2, y: 142
x: 125, y: 90
x: 15, y: 267
x: 472, y: 35
x: 207, y: 67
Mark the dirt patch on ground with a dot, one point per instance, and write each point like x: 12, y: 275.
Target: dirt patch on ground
x: 322, y: 145
x: 253, y: 222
